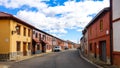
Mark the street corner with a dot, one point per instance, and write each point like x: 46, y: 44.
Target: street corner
x: 4, y: 66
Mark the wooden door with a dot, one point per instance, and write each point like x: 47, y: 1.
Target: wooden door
x: 24, y: 49
x: 103, y: 50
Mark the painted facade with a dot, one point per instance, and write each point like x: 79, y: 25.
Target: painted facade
x: 49, y: 43
x: 82, y: 47
x: 19, y: 39
x: 42, y: 42
x: 116, y: 31
x: 36, y: 42
x: 15, y: 37
x: 96, y: 37
x: 85, y: 41
x: 99, y: 36
x: 71, y: 45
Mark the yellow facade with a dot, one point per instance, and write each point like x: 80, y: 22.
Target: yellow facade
x: 4, y: 36
x: 8, y: 41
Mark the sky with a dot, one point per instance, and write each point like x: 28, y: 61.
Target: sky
x: 64, y: 19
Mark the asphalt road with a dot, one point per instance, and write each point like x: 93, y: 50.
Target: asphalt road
x: 66, y: 59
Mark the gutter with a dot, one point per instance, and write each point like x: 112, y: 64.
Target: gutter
x: 111, y: 34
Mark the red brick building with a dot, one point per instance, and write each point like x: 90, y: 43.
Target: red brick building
x: 99, y: 36
x: 41, y: 41
x: 36, y: 42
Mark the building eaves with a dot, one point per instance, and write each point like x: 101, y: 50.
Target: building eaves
x: 102, y: 12
x: 4, y: 15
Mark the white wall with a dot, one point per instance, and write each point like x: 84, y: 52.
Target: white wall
x: 116, y: 25
x: 116, y: 9
x: 116, y: 36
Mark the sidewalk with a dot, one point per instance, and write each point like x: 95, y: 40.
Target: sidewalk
x: 96, y: 63
x: 6, y: 64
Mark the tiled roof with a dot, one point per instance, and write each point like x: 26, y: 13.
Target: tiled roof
x: 97, y: 16
x: 4, y: 15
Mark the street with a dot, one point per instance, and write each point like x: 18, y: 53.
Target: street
x: 66, y: 59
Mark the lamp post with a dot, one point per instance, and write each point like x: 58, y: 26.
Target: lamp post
x: 14, y: 31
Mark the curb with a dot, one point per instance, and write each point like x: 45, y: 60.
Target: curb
x: 4, y: 66
x: 29, y: 57
x: 7, y: 64
x: 89, y: 60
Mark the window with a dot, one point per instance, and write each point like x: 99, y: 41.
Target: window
x: 28, y: 32
x: 36, y: 35
x: 39, y: 37
x: 33, y: 32
x: 90, y: 31
x: 29, y: 46
x: 44, y: 38
x: 101, y: 25
x: 18, y: 29
x: 24, y: 31
x: 18, y: 46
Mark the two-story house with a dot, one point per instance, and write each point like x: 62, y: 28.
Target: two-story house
x: 15, y: 37
x: 99, y: 36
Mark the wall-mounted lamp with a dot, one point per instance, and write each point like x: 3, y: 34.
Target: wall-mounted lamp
x: 16, y: 28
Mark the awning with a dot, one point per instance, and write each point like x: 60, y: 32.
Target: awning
x: 36, y: 40
x: 45, y: 41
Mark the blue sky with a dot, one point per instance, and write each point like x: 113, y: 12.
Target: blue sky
x: 64, y: 19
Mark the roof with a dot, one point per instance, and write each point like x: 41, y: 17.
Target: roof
x: 48, y: 34
x: 4, y: 15
x: 102, y: 12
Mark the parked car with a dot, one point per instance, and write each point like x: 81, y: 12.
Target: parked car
x: 57, y: 48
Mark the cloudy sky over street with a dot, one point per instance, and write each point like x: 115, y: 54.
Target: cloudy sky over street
x: 64, y: 19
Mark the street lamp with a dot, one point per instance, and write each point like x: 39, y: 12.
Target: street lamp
x: 14, y: 31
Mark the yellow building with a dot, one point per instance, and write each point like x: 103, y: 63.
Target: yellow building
x: 15, y: 37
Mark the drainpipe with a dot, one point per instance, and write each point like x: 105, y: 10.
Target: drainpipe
x: 111, y: 34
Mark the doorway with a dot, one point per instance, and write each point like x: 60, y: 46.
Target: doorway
x: 103, y: 50
x: 24, y: 49
x: 95, y: 50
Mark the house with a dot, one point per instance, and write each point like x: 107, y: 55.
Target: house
x: 15, y: 37
x: 116, y: 31
x: 49, y: 45
x: 82, y: 46
x: 85, y: 41
x: 70, y: 44
x: 65, y: 44
x: 99, y: 47
x: 61, y: 43
x: 54, y: 42
x: 37, y: 47
x: 20, y: 39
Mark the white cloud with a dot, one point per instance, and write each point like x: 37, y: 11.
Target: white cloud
x: 20, y: 3
x: 79, y: 30
x: 73, y: 14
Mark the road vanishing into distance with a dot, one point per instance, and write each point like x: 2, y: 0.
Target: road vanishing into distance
x: 65, y: 59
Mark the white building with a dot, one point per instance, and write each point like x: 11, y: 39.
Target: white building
x: 116, y: 31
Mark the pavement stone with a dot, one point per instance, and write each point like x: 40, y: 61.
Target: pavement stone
x: 6, y: 64
x: 98, y: 64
